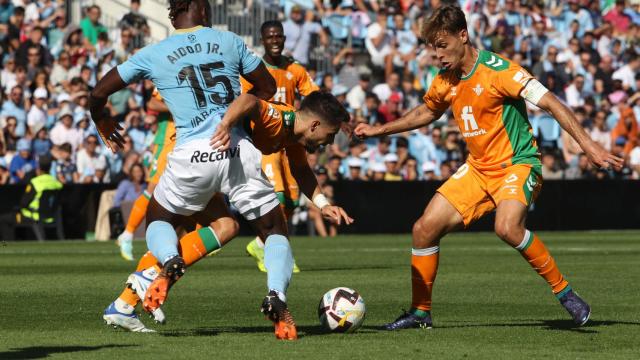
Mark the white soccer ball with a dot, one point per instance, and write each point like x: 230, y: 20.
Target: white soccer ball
x: 342, y: 310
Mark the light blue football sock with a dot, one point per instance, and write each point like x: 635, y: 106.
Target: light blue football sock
x: 278, y: 260
x: 162, y: 240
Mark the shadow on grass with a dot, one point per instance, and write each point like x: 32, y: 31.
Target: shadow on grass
x: 303, y: 331
x: 40, y: 352
x: 557, y: 325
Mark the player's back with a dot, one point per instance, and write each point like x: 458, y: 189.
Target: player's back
x: 197, y: 73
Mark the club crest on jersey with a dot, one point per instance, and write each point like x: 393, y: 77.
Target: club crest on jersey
x: 453, y: 91
x: 478, y: 89
x: 289, y: 75
x: 192, y: 38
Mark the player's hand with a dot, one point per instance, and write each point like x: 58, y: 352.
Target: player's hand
x: 336, y: 215
x: 602, y: 158
x: 221, y: 139
x: 364, y: 131
x: 109, y: 131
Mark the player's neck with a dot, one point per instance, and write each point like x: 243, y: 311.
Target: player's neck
x: 469, y: 60
x: 297, y: 131
x: 186, y: 22
x: 273, y: 61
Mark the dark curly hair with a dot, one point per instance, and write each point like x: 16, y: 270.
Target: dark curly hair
x: 326, y: 106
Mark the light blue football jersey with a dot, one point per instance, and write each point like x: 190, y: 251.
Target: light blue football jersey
x: 197, y: 72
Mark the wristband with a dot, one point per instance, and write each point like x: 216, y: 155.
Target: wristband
x: 320, y: 201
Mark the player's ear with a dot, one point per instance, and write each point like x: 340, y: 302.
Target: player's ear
x: 315, y: 124
x: 464, y: 36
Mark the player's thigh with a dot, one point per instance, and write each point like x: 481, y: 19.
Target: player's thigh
x: 218, y: 216
x: 291, y: 189
x: 245, y: 183
x: 271, y: 223
x: 514, y: 189
x: 466, y: 191
x: 439, y: 218
x: 193, y: 174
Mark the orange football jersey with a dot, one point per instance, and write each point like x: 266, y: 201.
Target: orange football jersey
x: 270, y: 131
x: 489, y: 111
x: 290, y: 77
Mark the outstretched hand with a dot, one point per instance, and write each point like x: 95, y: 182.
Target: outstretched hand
x: 336, y: 215
x: 109, y: 131
x: 602, y: 158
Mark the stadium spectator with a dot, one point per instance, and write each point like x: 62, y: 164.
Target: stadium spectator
x: 378, y: 172
x: 14, y: 107
x: 65, y: 132
x: 91, y: 26
x: 626, y: 130
x: 37, y: 116
x: 299, y: 31
x: 550, y: 169
x: 23, y: 163
x: 9, y: 133
x: 41, y: 144
x: 92, y: 165
x: 634, y: 162
x: 429, y: 171
x: 356, y: 97
x: 583, y: 169
x: 355, y: 169
x: 136, y: 23
x: 333, y: 168
x: 392, y: 171
x: 379, y: 42
x: 65, y: 170
x: 129, y: 189
x: 346, y: 70
x: 600, y: 133
x: 389, y: 87
x: 628, y: 72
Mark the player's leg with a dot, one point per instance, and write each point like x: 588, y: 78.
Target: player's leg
x: 459, y: 202
x: 439, y: 218
x: 272, y: 168
x: 291, y: 195
x: 278, y: 261
x: 514, y: 198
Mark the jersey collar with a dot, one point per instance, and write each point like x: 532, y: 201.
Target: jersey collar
x: 188, y: 30
x: 475, y: 66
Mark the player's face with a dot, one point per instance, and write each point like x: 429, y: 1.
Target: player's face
x: 318, y: 134
x: 273, y: 41
x: 450, y: 49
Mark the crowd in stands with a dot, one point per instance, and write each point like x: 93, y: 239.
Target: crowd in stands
x: 586, y: 54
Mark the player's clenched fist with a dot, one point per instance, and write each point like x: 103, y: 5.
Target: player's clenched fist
x: 364, y: 131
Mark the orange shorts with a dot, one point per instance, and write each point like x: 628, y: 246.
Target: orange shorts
x: 159, y: 161
x: 475, y: 193
x: 276, y: 167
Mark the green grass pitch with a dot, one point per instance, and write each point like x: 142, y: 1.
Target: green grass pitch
x: 488, y: 303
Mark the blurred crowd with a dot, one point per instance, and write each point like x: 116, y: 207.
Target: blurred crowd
x: 586, y: 52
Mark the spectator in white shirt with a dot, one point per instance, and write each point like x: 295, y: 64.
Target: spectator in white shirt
x: 37, y: 116
x: 378, y: 41
x: 384, y: 90
x: 92, y: 165
x: 600, y: 133
x: 64, y: 132
x: 357, y: 95
x: 627, y: 73
x: 576, y: 92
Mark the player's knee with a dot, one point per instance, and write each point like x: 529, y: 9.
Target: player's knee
x: 505, y: 229
x: 228, y: 229
x: 422, y: 234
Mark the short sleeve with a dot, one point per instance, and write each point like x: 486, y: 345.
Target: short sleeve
x: 305, y: 84
x: 136, y: 67
x: 249, y: 61
x: 434, y: 98
x: 511, y: 81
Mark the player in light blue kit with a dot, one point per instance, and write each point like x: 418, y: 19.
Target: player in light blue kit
x: 197, y: 70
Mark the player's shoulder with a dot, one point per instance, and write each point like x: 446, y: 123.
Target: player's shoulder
x: 493, y: 62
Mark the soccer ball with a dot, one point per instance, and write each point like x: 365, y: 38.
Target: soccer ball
x: 341, y: 310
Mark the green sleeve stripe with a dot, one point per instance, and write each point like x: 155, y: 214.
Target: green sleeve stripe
x: 209, y: 239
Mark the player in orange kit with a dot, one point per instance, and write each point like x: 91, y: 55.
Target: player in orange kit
x: 164, y: 141
x: 487, y: 95
x: 271, y: 127
x: 290, y: 77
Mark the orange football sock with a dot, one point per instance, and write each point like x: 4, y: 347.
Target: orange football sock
x: 146, y: 261
x: 129, y: 296
x: 138, y: 212
x: 542, y: 262
x: 197, y: 244
x: 424, y: 266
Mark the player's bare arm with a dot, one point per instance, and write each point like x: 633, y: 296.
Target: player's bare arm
x: 596, y: 153
x: 264, y: 86
x: 418, y: 117
x: 246, y: 105
x: 108, y: 129
x: 309, y: 185
x: 157, y: 105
